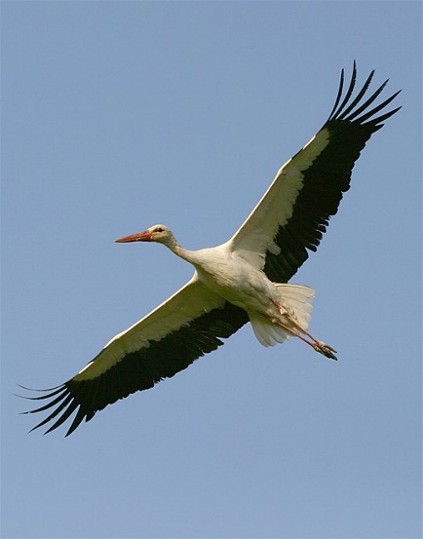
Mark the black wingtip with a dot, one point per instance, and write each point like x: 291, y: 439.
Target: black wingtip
x: 58, y: 398
x: 352, y: 109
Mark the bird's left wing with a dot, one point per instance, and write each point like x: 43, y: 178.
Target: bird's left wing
x: 183, y: 328
x: 293, y: 214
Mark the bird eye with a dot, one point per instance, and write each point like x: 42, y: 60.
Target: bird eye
x: 159, y: 229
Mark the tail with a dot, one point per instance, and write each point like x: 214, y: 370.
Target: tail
x: 297, y: 299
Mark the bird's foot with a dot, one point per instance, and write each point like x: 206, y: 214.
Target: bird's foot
x: 325, y: 349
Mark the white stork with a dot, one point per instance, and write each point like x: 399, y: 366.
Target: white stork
x: 242, y: 280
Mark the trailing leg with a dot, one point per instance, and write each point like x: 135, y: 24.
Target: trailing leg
x: 319, y: 346
x: 289, y: 312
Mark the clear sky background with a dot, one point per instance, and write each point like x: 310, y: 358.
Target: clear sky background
x: 120, y: 115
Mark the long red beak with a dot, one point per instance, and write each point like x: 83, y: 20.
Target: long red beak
x: 139, y: 236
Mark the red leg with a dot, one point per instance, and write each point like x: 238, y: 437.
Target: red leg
x: 317, y: 345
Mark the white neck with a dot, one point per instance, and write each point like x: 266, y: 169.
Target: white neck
x: 186, y: 254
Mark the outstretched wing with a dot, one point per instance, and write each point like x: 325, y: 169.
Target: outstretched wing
x: 188, y: 325
x: 293, y: 214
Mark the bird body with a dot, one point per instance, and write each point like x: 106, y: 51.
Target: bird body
x: 244, y: 279
x: 232, y: 277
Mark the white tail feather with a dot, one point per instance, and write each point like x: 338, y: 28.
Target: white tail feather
x: 298, y: 300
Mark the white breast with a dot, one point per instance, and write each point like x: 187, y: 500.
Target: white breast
x: 233, y: 278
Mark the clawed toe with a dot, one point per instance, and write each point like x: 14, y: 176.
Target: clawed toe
x: 325, y: 349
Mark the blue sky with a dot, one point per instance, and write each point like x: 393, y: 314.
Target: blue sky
x: 120, y: 115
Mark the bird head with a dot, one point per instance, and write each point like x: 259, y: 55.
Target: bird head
x: 156, y: 233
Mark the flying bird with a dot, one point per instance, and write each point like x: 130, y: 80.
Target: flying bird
x: 243, y: 280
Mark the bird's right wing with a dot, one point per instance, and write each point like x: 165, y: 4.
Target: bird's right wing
x: 183, y: 328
